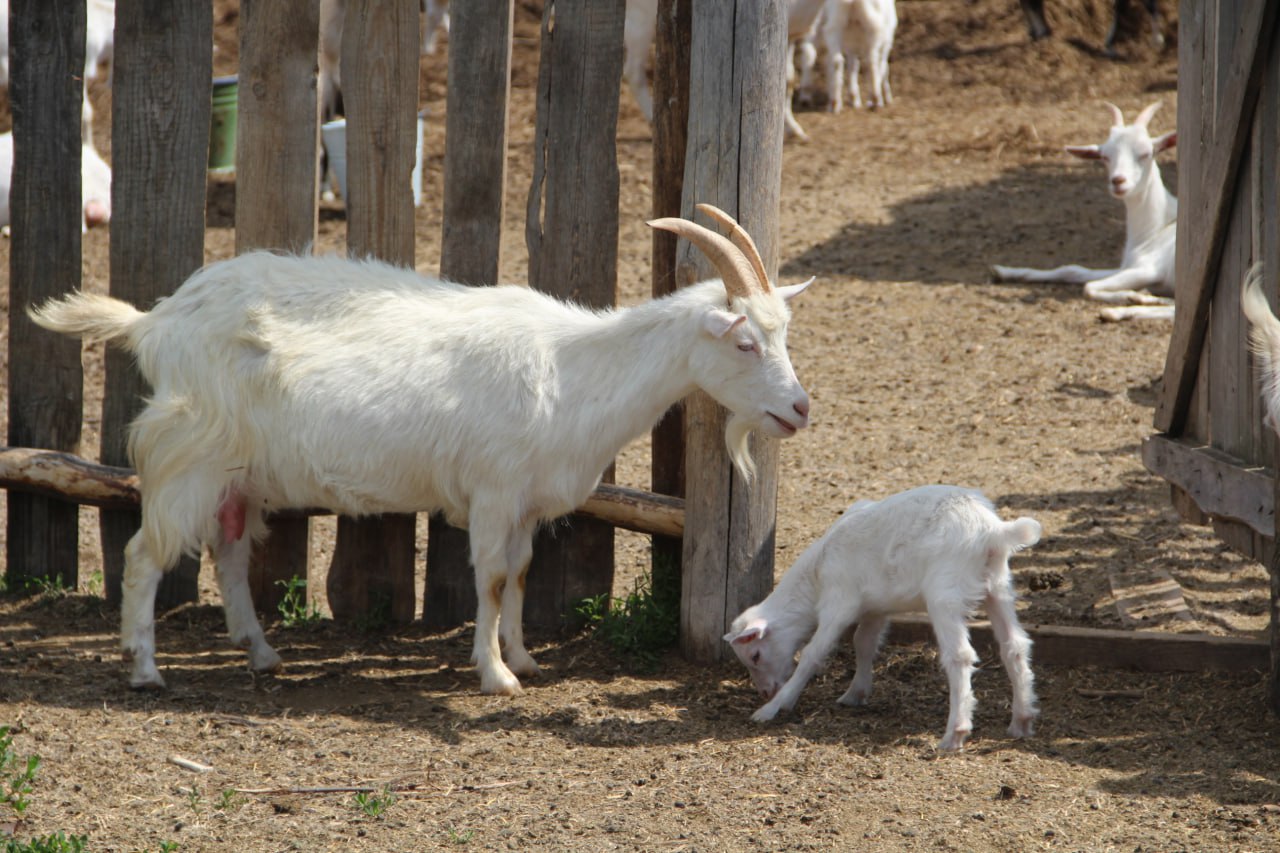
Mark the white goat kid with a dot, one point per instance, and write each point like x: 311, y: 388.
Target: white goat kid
x: 858, y: 31
x: 1143, y: 283
x: 353, y: 385
x: 939, y: 548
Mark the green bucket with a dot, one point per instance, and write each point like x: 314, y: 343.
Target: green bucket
x: 222, y: 128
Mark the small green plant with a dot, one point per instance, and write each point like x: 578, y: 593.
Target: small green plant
x: 460, y: 836
x: 168, y: 847
x: 16, y: 775
x: 375, y: 805
x: 295, y: 611
x: 56, y: 843
x: 93, y: 585
x: 194, y: 800
x: 48, y: 588
x: 645, y: 623
x: 228, y: 800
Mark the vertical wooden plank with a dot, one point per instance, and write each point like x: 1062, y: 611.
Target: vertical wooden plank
x: 372, y: 567
x: 572, y: 234
x: 159, y: 152
x: 45, y: 377
x: 276, y: 196
x: 670, y: 136
x: 734, y: 160
x: 475, y: 166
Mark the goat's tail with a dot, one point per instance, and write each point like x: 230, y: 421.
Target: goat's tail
x: 89, y: 316
x: 1020, y: 533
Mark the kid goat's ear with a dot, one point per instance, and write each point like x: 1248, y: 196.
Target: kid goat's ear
x: 1085, y: 152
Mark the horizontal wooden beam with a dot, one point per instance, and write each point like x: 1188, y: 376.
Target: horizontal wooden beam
x: 1146, y: 651
x: 1221, y: 485
x: 71, y: 478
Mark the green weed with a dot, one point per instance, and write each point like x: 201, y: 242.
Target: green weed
x: 295, y: 610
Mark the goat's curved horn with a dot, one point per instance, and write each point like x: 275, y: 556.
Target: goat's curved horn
x: 1117, y: 117
x: 732, y: 264
x: 740, y: 238
x: 1147, y: 112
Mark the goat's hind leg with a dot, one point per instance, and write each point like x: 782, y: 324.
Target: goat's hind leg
x: 232, y: 555
x: 1068, y: 274
x: 1015, y: 652
x: 489, y: 557
x: 958, y: 660
x: 138, y: 612
x: 511, y: 622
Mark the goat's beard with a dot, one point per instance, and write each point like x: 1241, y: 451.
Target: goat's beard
x: 737, y: 434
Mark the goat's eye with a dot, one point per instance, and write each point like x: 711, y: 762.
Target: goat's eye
x: 755, y: 658
x: 747, y: 346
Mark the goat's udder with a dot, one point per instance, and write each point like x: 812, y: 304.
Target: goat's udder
x: 231, y: 514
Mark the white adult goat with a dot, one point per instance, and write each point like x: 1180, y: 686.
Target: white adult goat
x: 353, y: 385
x: 1151, y: 213
x: 858, y: 31
x: 940, y: 548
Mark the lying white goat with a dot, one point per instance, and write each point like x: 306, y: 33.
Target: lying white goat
x: 858, y: 31
x: 353, y: 385
x: 95, y: 184
x: 940, y: 548
x: 1151, y: 213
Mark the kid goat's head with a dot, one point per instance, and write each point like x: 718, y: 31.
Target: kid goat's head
x: 743, y: 363
x: 1129, y: 152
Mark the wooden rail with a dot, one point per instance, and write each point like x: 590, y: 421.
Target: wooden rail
x: 71, y: 478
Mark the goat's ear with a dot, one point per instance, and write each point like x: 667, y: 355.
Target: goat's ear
x: 719, y: 323
x: 1085, y: 152
x: 1165, y: 141
x: 755, y: 630
x: 791, y: 291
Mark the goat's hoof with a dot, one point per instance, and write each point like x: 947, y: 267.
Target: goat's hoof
x: 265, y: 660
x: 854, y: 698
x: 1022, y: 726
x: 765, y: 715
x: 953, y: 742
x: 997, y: 273
x: 524, y: 667
x: 500, y: 685
x: 147, y: 680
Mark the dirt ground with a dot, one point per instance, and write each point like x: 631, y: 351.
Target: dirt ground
x: 920, y: 372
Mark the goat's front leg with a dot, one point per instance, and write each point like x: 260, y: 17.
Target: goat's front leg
x: 1119, y: 288
x: 511, y: 623
x: 1015, y: 652
x: 489, y: 556
x: 866, y: 642
x: 138, y: 613
x: 958, y: 660
x: 812, y: 658
x: 1068, y: 274
x: 237, y: 603
x: 835, y: 77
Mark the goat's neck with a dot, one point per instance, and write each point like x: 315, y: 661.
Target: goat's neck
x: 626, y: 373
x: 1148, y: 209
x: 792, y: 608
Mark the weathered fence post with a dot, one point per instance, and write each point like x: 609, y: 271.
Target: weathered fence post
x: 45, y: 378
x: 475, y: 160
x: 159, y: 151
x: 372, y: 567
x: 734, y: 161
x: 572, y: 233
x: 670, y: 134
x: 276, y: 195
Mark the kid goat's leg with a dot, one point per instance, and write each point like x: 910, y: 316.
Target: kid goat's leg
x: 866, y: 642
x: 1015, y: 651
x: 831, y: 626
x: 958, y: 660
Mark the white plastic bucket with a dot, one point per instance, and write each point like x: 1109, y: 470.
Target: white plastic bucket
x: 333, y: 135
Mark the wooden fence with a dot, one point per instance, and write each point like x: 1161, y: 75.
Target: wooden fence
x: 1213, y: 447
x: 160, y: 137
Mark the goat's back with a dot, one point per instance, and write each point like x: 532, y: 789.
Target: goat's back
x: 895, y: 552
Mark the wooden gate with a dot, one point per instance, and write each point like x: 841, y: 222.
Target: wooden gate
x: 1212, y: 445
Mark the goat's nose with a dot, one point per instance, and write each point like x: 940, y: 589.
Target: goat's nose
x: 802, y: 408
x: 1118, y: 181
